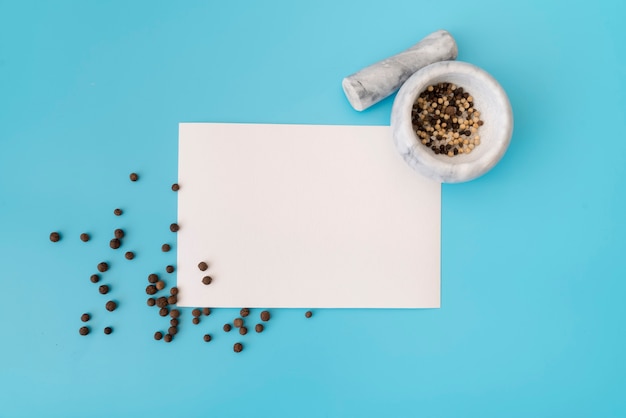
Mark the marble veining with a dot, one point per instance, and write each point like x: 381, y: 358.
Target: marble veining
x: 489, y: 98
x: 374, y: 83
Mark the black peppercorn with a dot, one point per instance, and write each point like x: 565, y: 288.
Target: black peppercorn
x: 259, y: 327
x: 238, y: 322
x: 227, y: 327
x: 83, y: 330
x: 94, y: 278
x: 265, y: 316
x: 196, y: 312
x: 104, y: 289
x: 129, y: 255
x: 174, y: 227
x: 110, y: 306
x: 174, y: 291
x: 55, y: 237
x: 84, y: 237
x: 203, y: 266
x: 151, y: 289
x: 134, y: 177
x: 244, y: 312
x: 172, y: 330
x: 151, y: 302
x: 153, y: 278
x: 117, y: 212
x: 158, y: 335
x: 169, y: 269
x: 161, y: 302
x: 119, y: 233
x: 238, y: 347
x: 207, y: 337
x: 115, y: 243
x: 85, y: 317
x: 243, y: 330
x: 207, y: 280
x: 172, y: 300
x: 175, y: 187
x: 174, y: 322
x: 163, y: 311
x: 195, y: 321
x: 206, y: 311
x: 165, y: 248
x: 102, y: 267
x: 168, y: 338
x: 308, y: 314
x: 175, y: 313
x: 108, y: 330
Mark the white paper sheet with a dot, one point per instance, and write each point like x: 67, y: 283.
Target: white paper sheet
x: 304, y: 216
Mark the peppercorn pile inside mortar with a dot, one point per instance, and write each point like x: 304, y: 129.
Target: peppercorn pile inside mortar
x: 445, y: 119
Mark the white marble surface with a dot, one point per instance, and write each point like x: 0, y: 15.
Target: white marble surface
x: 489, y: 98
x: 374, y: 83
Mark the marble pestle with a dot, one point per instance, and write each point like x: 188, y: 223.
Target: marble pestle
x: 374, y: 83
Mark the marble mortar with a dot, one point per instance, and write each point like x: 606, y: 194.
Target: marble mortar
x: 489, y: 98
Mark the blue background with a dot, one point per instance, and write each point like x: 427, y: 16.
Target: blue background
x: 533, y: 272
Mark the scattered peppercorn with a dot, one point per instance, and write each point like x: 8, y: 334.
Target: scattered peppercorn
x: 203, y: 266
x: 103, y: 289
x: 163, y: 311
x: 174, y: 227
x: 94, y: 278
x: 55, y: 237
x: 168, y: 338
x: 172, y: 300
x: 174, y: 322
x: 102, y: 267
x: 227, y: 327
x: 196, y: 312
x: 83, y: 330
x: 175, y: 187
x: 259, y: 327
x: 134, y: 177
x: 172, y: 330
x: 207, y: 337
x: 238, y: 322
x: 175, y: 313
x: 195, y: 321
x: 160, y: 285
x: 153, y: 278
x: 117, y: 212
x: 206, y: 311
x: 115, y: 243
x: 207, y: 280
x: 151, y: 289
x: 174, y: 291
x: 108, y: 330
x: 129, y: 255
x: 85, y: 317
x: 244, y: 312
x: 110, y: 306
x: 161, y: 302
x: 238, y: 347
x: 169, y: 269
x: 84, y: 237
x: 165, y: 248
x: 308, y: 314
x: 265, y: 316
x: 119, y: 233
x: 158, y: 335
x: 151, y: 302
x: 243, y: 330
